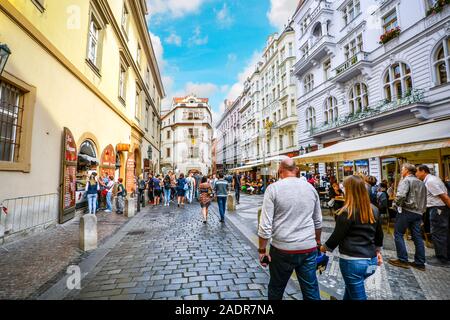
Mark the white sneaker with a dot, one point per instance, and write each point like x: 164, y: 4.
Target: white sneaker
x: 108, y: 211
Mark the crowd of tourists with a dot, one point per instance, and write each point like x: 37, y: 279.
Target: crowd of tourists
x: 292, y: 223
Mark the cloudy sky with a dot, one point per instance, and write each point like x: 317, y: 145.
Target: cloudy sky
x: 209, y: 47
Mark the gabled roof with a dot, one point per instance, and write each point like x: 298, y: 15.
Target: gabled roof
x: 188, y: 98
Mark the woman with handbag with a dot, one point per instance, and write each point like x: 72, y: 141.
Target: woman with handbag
x: 206, y: 195
x: 359, y: 235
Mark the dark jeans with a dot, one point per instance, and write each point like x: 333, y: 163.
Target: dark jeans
x: 281, y: 269
x: 355, y: 272
x: 238, y: 193
x: 439, y: 231
x: 412, y: 221
x: 222, y: 203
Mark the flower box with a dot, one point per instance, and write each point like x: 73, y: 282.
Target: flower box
x: 438, y: 7
x: 391, y: 34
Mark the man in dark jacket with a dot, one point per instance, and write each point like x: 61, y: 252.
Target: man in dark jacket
x: 411, y: 201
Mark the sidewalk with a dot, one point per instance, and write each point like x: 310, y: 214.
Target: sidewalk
x: 31, y: 265
x: 388, y: 283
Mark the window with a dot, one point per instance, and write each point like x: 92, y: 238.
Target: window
x: 281, y: 142
x: 138, y: 55
x: 327, y: 69
x: 351, y: 11
x: 93, y: 42
x: 147, y: 108
x: 291, y: 52
x: 168, y: 134
x: 138, y: 106
x: 390, y: 21
x: 397, y: 81
x: 125, y: 19
x: 168, y: 152
x: 353, y: 47
x: 442, y: 62
x: 11, y: 115
x: 147, y: 78
x: 193, y: 152
x: 310, y: 118
x: 358, y: 98
x: 308, y: 83
x: 40, y: 4
x: 330, y: 110
x: 122, y: 82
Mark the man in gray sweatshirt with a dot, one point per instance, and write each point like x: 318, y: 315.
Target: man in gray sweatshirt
x: 292, y: 218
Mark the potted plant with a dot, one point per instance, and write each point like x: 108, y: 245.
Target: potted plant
x: 438, y: 7
x: 389, y: 35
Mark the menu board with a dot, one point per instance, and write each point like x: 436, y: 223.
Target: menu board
x: 69, y: 187
x: 68, y: 177
x: 108, y: 161
x: 130, y: 178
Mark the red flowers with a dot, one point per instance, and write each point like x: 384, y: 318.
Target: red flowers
x: 389, y: 35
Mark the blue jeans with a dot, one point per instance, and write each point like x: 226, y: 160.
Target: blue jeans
x: 354, y: 273
x: 92, y: 203
x: 108, y: 201
x: 281, y: 269
x: 167, y: 196
x: 412, y: 221
x: 222, y: 203
x: 190, y: 194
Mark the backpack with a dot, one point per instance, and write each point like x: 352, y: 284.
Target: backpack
x: 382, y: 202
x: 167, y: 184
x: 122, y: 189
x: 141, y: 184
x: 186, y: 186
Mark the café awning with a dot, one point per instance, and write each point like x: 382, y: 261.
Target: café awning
x: 418, y: 138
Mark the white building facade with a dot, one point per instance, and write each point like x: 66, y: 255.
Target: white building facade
x: 228, y: 151
x: 365, y: 67
x: 262, y: 122
x: 187, y: 136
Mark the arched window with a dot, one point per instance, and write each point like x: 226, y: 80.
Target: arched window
x: 397, y: 81
x: 330, y: 110
x: 358, y: 98
x: 310, y: 118
x: 308, y: 83
x: 442, y: 62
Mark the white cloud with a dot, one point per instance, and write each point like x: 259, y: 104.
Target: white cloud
x: 174, y: 8
x: 197, y: 38
x: 237, y: 88
x: 223, y: 17
x: 281, y: 11
x: 159, y: 50
x: 173, y: 38
x: 202, y: 90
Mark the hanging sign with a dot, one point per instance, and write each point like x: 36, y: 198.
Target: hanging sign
x: 68, y: 177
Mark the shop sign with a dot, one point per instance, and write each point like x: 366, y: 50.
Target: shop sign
x: 68, y: 177
x: 108, y: 161
x: 130, y: 173
x: 348, y: 163
x: 362, y: 163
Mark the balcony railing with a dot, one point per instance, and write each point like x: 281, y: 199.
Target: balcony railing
x: 360, y: 56
x: 384, y: 106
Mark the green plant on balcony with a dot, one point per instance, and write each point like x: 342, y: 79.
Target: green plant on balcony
x: 389, y: 35
x: 438, y: 7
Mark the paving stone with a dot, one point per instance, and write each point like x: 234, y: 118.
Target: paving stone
x: 210, y: 296
x: 200, y: 290
x: 164, y: 294
x: 190, y: 285
x: 229, y: 295
x: 250, y: 294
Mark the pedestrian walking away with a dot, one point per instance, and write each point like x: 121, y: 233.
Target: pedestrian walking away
x: 438, y: 209
x: 142, y: 186
x: 92, y: 188
x: 221, y: 191
x: 121, y: 194
x: 411, y: 203
x: 292, y: 218
x: 181, y: 188
x: 191, y: 184
x: 205, y: 197
x: 167, y: 190
x: 359, y: 235
x: 237, y: 178
x: 157, y: 189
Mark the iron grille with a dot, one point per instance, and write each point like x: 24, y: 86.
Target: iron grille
x: 11, y: 116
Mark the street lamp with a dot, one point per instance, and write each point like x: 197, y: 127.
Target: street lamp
x: 302, y: 151
x: 5, y: 52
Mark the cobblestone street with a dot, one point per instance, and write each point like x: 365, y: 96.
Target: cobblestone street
x: 170, y: 254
